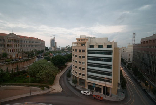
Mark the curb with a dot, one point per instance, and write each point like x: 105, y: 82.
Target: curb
x: 24, y: 95
x: 117, y: 99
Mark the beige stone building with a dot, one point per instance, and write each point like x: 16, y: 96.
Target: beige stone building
x: 14, y: 44
x: 96, y: 64
x: 127, y: 53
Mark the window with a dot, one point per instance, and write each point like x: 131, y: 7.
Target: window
x: 75, y: 50
x: 83, y: 63
x: 83, y: 68
x: 79, y: 68
x: 83, y: 56
x: 75, y: 72
x: 83, y: 50
x: 83, y: 74
x: 75, y: 66
x: 80, y: 56
x: 91, y: 46
x: 79, y: 73
x: 82, y: 44
x: 79, y: 62
x: 109, y: 46
x: 100, y: 46
x: 75, y: 61
x: 79, y: 50
x: 75, y: 55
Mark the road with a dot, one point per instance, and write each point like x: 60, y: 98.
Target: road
x: 71, y: 96
x: 137, y: 96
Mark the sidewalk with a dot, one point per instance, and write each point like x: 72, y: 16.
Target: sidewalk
x: 56, y: 85
x: 118, y: 97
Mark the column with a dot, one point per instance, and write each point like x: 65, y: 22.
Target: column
x: 110, y: 93
x: 102, y: 89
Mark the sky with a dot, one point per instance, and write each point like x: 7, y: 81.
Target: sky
x: 68, y: 19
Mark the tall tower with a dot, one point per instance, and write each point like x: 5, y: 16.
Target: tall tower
x: 133, y: 39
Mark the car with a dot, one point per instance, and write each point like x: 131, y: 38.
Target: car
x: 85, y: 93
x: 98, y: 97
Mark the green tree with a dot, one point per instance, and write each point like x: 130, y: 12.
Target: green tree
x: 46, y: 49
x: 122, y: 80
x: 69, y: 74
x: 59, y: 60
x: 7, y: 70
x: 4, y: 55
x: 154, y: 91
x: 43, y: 71
x: 146, y: 84
x: 17, y: 68
x: 74, y: 81
x: 47, y: 58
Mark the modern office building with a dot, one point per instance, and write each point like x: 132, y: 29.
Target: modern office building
x: 53, y: 44
x: 96, y: 64
x: 14, y: 44
x: 144, y: 58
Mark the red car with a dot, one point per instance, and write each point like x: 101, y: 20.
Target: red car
x: 98, y: 97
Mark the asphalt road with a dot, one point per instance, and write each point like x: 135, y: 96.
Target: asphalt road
x: 71, y: 96
x: 137, y: 96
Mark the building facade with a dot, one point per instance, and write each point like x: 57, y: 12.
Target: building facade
x: 53, y: 44
x: 96, y: 64
x: 144, y: 58
x: 127, y: 53
x: 14, y: 44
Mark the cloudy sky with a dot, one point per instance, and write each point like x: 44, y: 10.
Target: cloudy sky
x: 68, y: 19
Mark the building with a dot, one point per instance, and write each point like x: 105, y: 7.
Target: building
x: 127, y: 53
x: 96, y: 64
x: 14, y: 45
x: 53, y: 44
x: 144, y: 58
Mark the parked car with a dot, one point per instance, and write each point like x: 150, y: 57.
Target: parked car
x: 85, y: 93
x: 98, y: 97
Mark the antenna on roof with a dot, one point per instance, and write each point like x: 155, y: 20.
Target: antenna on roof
x: 133, y: 39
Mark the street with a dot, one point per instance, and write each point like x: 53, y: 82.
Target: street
x: 72, y: 96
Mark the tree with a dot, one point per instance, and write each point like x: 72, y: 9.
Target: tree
x: 47, y: 58
x: 154, y: 91
x: 59, y: 60
x: 123, y: 80
x: 43, y: 71
x: 17, y: 68
x: 4, y: 55
x: 146, y: 84
x: 68, y: 74
x: 46, y: 49
x: 74, y: 81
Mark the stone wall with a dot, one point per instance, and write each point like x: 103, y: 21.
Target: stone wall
x: 22, y: 65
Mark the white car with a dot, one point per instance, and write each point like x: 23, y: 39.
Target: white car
x: 85, y: 92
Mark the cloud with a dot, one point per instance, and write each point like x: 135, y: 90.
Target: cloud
x: 145, y: 7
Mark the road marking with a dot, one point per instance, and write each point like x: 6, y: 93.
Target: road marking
x: 138, y: 92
